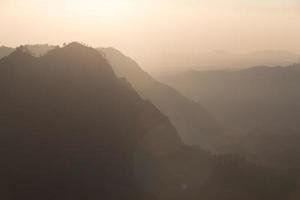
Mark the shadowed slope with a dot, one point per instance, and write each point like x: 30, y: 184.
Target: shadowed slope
x: 5, y: 51
x: 260, y: 104
x: 71, y: 130
x: 194, y: 124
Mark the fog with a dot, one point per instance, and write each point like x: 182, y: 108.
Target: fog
x: 152, y: 100
x: 154, y: 32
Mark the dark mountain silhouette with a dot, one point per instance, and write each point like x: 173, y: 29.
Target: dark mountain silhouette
x: 194, y: 124
x: 39, y: 49
x: 5, y: 51
x: 260, y: 104
x: 35, y: 50
x: 70, y: 129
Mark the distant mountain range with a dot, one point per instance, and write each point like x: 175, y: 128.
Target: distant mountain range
x: 195, y: 125
x: 71, y: 129
x: 220, y: 60
x: 260, y: 104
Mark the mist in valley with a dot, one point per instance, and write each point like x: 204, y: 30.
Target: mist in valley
x: 150, y: 100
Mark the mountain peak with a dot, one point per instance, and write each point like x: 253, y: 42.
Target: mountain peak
x: 75, y: 45
x: 77, y: 54
x: 20, y: 54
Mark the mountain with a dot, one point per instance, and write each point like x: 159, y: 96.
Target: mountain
x: 272, y: 58
x: 261, y: 104
x: 71, y: 129
x: 195, y: 124
x: 5, y: 51
x: 39, y: 49
x: 222, y: 60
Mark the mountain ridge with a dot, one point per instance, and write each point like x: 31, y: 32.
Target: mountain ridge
x: 71, y: 129
x: 259, y: 104
x: 195, y: 125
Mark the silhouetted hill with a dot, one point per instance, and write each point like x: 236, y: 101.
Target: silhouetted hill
x: 70, y: 129
x: 194, y: 124
x: 39, y: 49
x: 35, y: 50
x: 261, y: 103
x: 5, y: 51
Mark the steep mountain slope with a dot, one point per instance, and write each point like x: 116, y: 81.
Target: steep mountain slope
x: 39, y: 49
x: 70, y: 129
x: 5, y: 51
x: 35, y: 49
x: 194, y: 124
x: 261, y: 103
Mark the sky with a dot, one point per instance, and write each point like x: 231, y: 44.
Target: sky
x: 148, y: 29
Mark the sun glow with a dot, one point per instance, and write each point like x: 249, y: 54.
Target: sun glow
x: 103, y: 9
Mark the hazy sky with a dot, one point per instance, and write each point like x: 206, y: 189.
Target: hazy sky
x: 145, y: 29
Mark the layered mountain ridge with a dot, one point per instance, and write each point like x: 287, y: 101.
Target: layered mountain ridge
x: 65, y: 131
x: 71, y: 129
x: 259, y: 104
x: 196, y: 126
